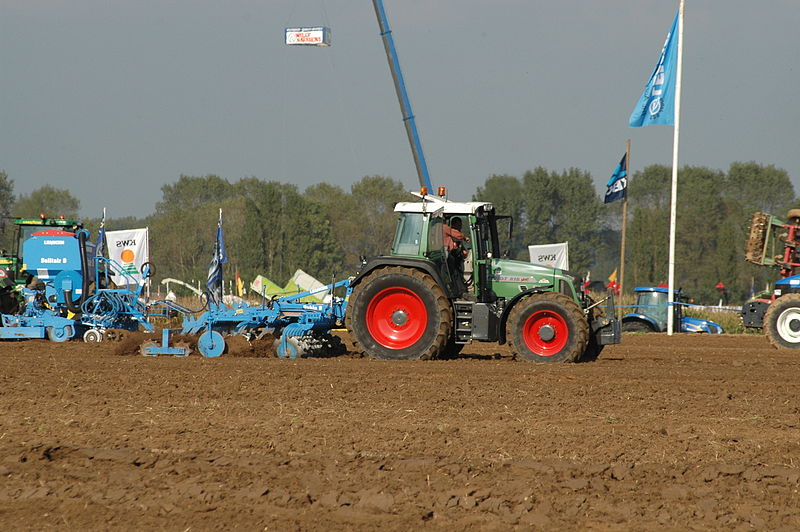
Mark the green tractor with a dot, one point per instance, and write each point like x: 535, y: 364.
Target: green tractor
x: 12, y: 262
x: 419, y: 302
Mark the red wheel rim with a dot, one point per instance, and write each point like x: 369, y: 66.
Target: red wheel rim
x: 538, y: 328
x: 396, y: 317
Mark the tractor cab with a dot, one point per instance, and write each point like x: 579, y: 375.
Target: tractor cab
x: 650, y: 313
x: 425, y: 231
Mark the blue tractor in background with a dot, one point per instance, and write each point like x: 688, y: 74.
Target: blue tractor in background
x: 650, y: 313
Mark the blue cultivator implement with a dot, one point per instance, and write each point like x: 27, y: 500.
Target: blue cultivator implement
x: 300, y: 328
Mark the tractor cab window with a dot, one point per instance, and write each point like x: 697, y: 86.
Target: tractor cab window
x: 505, y: 234
x: 409, y: 234
x: 490, y: 228
x: 436, y: 233
x: 654, y: 306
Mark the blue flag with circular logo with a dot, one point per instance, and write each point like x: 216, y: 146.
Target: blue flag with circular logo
x: 617, y: 187
x: 657, y: 104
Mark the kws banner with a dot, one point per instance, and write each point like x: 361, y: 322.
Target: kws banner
x: 552, y: 255
x: 130, y: 249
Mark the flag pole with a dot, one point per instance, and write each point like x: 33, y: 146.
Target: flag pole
x: 673, y: 200
x: 624, y: 219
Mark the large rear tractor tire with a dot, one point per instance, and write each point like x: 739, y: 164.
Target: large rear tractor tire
x: 782, y: 322
x: 548, y: 327
x: 399, y: 314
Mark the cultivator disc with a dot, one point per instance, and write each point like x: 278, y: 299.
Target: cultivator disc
x: 116, y: 335
x: 311, y: 345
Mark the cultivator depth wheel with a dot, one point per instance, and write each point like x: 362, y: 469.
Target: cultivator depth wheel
x: 93, y: 336
x: 211, y: 344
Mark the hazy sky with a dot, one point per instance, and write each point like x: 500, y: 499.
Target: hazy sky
x: 112, y: 99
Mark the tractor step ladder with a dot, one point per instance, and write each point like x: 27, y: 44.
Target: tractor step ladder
x: 463, y: 332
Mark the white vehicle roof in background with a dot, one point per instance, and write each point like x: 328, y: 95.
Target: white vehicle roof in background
x: 433, y: 203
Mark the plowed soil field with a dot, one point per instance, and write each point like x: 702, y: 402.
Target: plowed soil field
x: 669, y: 433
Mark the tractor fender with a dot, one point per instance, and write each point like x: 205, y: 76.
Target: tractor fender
x: 501, y: 336
x: 407, y: 262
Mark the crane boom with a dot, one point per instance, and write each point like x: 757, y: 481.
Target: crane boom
x: 402, y: 96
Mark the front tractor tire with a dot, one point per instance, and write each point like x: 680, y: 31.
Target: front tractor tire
x: 399, y: 313
x: 782, y: 322
x: 548, y: 327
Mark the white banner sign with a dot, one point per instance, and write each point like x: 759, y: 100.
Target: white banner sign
x: 553, y: 255
x: 317, y: 36
x: 130, y: 249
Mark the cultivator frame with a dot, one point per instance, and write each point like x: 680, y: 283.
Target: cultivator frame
x: 300, y: 328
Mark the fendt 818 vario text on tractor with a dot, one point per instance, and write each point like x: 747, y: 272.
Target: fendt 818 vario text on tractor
x: 420, y: 302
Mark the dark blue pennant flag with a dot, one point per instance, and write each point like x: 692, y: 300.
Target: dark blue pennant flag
x: 617, y: 187
x: 214, y: 283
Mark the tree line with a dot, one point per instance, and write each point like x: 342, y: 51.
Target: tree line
x: 274, y: 228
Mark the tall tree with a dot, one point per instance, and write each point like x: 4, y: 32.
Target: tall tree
x: 505, y: 193
x: 6, y: 194
x: 541, y: 206
x: 6, y: 203
x: 578, y: 221
x: 755, y: 187
x: 362, y: 220
x: 190, y: 192
x: 49, y: 200
x: 648, y: 231
x: 563, y: 207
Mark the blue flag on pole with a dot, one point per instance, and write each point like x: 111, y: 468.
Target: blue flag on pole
x: 617, y: 187
x: 100, y: 249
x: 223, y: 255
x: 214, y: 282
x: 657, y: 104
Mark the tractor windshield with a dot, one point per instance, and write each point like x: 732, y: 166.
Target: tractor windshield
x: 409, y: 234
x: 654, y: 306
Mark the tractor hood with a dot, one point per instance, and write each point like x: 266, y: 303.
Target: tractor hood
x: 510, y: 277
